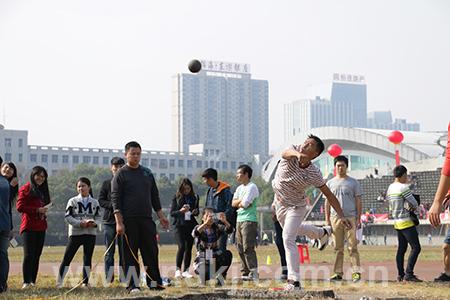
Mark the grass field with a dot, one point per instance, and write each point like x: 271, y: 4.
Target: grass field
x: 46, y: 282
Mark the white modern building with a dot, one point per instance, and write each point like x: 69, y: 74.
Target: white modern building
x: 221, y: 106
x: 370, y: 149
x: 14, y: 147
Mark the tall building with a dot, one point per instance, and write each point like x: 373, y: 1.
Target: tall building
x: 343, y: 103
x: 383, y: 120
x: 224, y: 107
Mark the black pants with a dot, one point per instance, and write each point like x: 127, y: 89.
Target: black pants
x: 185, y: 240
x: 75, y: 241
x: 33, y: 242
x: 280, y: 246
x: 405, y: 237
x: 141, y: 233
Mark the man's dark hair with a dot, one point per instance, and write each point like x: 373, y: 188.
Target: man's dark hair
x: 246, y: 170
x: 117, y: 161
x: 320, y: 146
x: 132, y: 144
x: 341, y: 158
x: 1, y: 160
x: 210, y: 173
x: 399, y: 171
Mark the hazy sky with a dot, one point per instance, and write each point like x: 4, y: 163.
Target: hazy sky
x: 99, y: 73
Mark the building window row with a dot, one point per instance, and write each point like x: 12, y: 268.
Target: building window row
x: 9, y: 143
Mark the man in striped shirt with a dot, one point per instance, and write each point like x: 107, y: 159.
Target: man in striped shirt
x: 294, y: 174
x: 401, y: 202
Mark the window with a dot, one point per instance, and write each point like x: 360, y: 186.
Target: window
x: 54, y: 158
x: 172, y: 177
x: 20, y: 157
x: 75, y: 159
x: 8, y: 156
x: 44, y: 158
x: 224, y: 165
x: 180, y: 163
x: 189, y: 163
x: 95, y: 160
x: 199, y: 164
x: 163, y: 163
x: 217, y: 164
x: 86, y: 159
x: 145, y: 162
x: 154, y: 162
x: 233, y: 165
x: 206, y: 164
x: 33, y: 157
x: 211, y: 164
x: 106, y: 160
x: 20, y: 143
x: 172, y: 163
x: 65, y: 159
x: 8, y: 142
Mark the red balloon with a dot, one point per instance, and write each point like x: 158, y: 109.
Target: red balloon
x: 334, y: 150
x: 396, y: 137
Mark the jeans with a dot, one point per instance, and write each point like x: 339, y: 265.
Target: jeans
x: 405, y: 237
x: 4, y: 262
x: 33, y: 242
x: 110, y: 234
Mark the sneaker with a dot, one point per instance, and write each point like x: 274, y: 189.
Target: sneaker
x: 442, y: 278
x: 85, y: 285
x: 323, y: 241
x: 178, y: 274
x: 292, y: 286
x: 400, y: 278
x: 135, y: 291
x: 283, y: 277
x: 356, y: 277
x: 336, y: 277
x: 59, y: 285
x: 186, y: 274
x: 412, y: 278
x: 26, y: 286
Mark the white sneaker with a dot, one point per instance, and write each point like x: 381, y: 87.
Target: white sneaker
x: 59, y: 285
x: 178, y: 274
x: 135, y: 291
x: 323, y: 241
x: 26, y: 286
x: 85, y: 285
x: 185, y: 274
x: 290, y: 287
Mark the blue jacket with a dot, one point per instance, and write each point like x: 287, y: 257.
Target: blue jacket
x: 5, y: 215
x: 220, y: 199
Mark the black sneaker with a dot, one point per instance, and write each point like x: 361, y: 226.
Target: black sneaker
x: 442, y: 278
x: 400, y: 278
x: 412, y: 278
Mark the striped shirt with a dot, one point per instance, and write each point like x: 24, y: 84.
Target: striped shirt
x: 291, y: 181
x: 400, y: 197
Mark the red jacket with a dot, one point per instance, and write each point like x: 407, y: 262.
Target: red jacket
x: 27, y: 205
x: 446, y: 167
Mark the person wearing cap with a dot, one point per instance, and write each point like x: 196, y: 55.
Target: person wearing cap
x: 109, y: 224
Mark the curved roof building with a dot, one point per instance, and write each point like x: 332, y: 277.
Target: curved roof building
x: 367, y: 149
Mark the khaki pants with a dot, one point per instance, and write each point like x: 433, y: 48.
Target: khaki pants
x: 340, y: 234
x: 246, y: 243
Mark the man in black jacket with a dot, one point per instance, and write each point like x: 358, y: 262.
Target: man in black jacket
x: 109, y: 223
x: 134, y: 196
